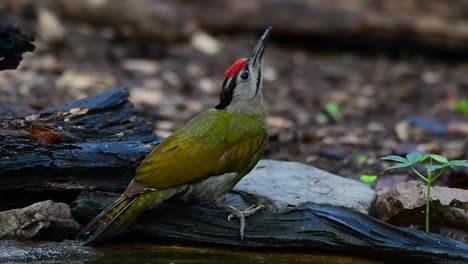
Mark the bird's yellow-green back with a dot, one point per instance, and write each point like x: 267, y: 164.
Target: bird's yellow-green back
x: 213, y: 143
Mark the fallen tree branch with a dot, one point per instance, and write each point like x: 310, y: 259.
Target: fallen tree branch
x: 92, y: 143
x: 309, y: 226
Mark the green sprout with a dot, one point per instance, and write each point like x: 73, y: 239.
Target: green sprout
x: 362, y: 158
x: 368, y: 178
x: 435, y: 166
x: 462, y: 105
x: 333, y: 108
x: 330, y: 111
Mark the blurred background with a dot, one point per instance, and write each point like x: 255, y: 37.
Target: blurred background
x: 346, y: 81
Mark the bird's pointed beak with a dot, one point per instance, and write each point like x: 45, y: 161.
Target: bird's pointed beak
x: 257, y: 53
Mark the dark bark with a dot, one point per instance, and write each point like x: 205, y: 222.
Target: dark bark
x: 92, y: 143
x: 310, y: 226
x: 13, y: 43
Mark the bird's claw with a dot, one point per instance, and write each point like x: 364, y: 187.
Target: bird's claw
x: 242, y: 214
x: 247, y: 212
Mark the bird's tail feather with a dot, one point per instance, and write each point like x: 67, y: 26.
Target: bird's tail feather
x: 120, y: 214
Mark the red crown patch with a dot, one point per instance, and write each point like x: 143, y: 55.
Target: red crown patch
x: 235, y: 67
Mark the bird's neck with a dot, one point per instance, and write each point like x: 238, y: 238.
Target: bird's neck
x: 254, y: 107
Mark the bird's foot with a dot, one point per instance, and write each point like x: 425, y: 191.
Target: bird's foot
x: 242, y: 214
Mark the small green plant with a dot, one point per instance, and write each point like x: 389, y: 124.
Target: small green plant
x: 368, y: 178
x: 362, y: 158
x: 333, y: 108
x: 330, y: 111
x: 435, y: 166
x: 462, y: 105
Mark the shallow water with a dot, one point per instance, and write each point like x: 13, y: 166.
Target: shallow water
x: 13, y: 252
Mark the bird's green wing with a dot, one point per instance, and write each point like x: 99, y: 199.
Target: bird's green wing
x: 213, y: 143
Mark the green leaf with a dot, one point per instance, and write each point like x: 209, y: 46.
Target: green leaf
x: 396, y: 158
x: 368, y: 178
x: 413, y: 157
x: 396, y: 166
x: 333, y: 108
x: 462, y: 105
x: 456, y: 163
x: 439, y: 158
x: 435, y: 167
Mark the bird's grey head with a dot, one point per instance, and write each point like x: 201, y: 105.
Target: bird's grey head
x: 242, y: 86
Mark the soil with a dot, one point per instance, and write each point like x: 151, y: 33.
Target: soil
x: 170, y: 83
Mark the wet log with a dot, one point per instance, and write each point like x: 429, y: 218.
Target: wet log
x: 91, y: 143
x: 310, y: 226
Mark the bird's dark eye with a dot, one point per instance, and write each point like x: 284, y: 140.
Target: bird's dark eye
x: 245, y: 76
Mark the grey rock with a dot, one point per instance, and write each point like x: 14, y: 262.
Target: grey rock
x: 47, y: 220
x: 280, y: 185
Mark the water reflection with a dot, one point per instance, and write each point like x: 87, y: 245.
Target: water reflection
x: 13, y: 252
